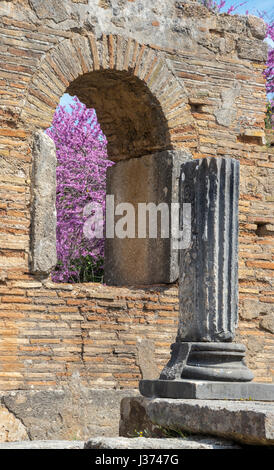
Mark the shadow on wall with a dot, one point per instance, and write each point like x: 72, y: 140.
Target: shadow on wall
x: 130, y: 116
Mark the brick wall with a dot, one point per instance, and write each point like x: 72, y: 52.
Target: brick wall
x: 210, y: 96
x: 52, y: 331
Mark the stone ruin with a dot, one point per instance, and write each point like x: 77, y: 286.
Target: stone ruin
x: 172, y: 84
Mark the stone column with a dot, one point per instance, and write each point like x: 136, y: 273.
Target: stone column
x: 209, y: 267
x: 208, y: 277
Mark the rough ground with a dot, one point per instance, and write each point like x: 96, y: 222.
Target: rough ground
x: 193, y: 442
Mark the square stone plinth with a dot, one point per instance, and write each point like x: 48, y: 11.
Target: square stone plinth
x: 207, y: 390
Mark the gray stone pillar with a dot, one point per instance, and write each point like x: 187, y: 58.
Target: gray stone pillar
x: 209, y: 267
x: 208, y: 277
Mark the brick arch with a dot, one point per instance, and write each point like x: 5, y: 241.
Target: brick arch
x: 139, y: 69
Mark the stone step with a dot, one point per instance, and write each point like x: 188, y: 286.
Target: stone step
x: 246, y: 422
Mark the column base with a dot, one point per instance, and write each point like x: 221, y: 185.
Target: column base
x: 206, y: 390
x: 207, y: 361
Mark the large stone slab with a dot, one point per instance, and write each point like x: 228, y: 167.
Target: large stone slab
x: 248, y: 422
x: 148, y: 179
x: 207, y: 390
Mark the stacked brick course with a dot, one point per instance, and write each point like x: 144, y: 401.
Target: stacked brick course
x: 198, y: 79
x: 52, y: 331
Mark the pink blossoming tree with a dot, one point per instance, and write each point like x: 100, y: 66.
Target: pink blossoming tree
x: 81, y: 149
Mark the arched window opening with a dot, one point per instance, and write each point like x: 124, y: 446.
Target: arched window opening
x: 135, y: 135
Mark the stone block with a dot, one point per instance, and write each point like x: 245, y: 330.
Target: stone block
x: 267, y: 323
x: 205, y: 390
x: 250, y: 309
x: 245, y: 422
x: 252, y: 49
x: 51, y: 9
x: 146, y: 358
x: 257, y: 26
x: 226, y: 112
x: 71, y: 413
x: 148, y: 179
x: 11, y: 428
x: 43, y: 230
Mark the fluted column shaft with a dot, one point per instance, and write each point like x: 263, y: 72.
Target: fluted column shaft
x: 209, y: 266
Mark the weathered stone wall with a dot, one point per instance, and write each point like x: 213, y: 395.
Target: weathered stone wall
x: 195, y: 80
x: 71, y: 412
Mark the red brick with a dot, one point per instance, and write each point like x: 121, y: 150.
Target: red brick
x: 260, y: 264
